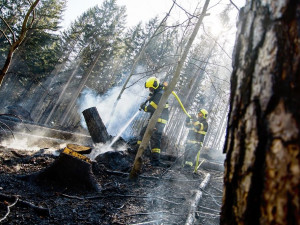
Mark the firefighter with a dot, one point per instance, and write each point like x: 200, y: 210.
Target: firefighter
x: 197, y: 130
x: 156, y: 91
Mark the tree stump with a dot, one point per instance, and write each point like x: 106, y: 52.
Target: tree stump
x: 71, y: 170
x: 95, y: 125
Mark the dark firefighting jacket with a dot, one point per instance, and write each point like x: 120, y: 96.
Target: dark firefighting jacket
x: 197, y: 130
x: 152, y: 106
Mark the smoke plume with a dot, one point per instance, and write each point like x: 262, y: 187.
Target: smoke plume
x: 127, y: 106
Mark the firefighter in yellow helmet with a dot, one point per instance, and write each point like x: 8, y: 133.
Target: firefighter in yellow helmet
x: 156, y: 91
x: 197, y: 130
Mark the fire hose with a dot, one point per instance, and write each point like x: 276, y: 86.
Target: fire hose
x: 178, y: 99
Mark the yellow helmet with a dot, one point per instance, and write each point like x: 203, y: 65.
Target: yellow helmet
x: 152, y: 82
x: 204, y: 113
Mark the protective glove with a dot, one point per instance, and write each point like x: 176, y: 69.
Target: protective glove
x: 142, y: 106
x: 188, y: 119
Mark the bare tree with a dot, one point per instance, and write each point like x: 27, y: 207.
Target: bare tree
x: 15, y: 41
x: 262, y: 166
x: 138, y: 159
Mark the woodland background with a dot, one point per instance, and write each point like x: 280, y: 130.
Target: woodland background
x: 55, y: 74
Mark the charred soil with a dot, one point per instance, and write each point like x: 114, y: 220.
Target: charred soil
x: 161, y: 195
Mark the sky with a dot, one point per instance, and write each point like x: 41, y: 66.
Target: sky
x: 137, y: 10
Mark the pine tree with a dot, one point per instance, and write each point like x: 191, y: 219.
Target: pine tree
x: 36, y: 57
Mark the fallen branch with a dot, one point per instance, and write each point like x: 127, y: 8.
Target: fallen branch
x: 71, y: 196
x: 40, y: 210
x: 8, y: 209
x: 198, y: 195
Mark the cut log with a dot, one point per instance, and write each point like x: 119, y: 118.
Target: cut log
x: 71, y: 170
x: 191, y: 216
x: 95, y: 125
x: 80, y: 148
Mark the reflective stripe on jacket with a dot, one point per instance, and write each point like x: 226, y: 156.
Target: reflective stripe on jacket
x: 197, y: 131
x: 153, y: 103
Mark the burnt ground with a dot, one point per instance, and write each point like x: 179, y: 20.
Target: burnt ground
x: 161, y: 195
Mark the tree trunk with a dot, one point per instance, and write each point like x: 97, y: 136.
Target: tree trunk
x: 262, y: 167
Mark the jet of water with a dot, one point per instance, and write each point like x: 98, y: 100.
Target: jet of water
x: 123, y: 129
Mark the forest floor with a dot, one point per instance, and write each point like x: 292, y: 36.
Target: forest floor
x: 160, y: 195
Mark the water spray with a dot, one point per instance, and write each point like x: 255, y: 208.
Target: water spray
x: 133, y: 117
x: 123, y: 129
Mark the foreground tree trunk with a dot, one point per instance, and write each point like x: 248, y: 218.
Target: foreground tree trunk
x: 262, y: 167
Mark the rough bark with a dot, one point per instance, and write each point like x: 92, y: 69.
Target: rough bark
x: 95, y: 125
x: 262, y: 167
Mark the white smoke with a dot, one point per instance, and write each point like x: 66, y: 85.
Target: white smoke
x: 127, y: 106
x: 32, y: 141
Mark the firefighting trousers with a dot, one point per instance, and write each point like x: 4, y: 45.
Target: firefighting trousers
x: 191, y: 155
x: 155, y: 141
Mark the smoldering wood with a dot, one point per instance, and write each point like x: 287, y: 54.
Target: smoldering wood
x: 68, y: 171
x: 114, y: 160
x: 95, y: 125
